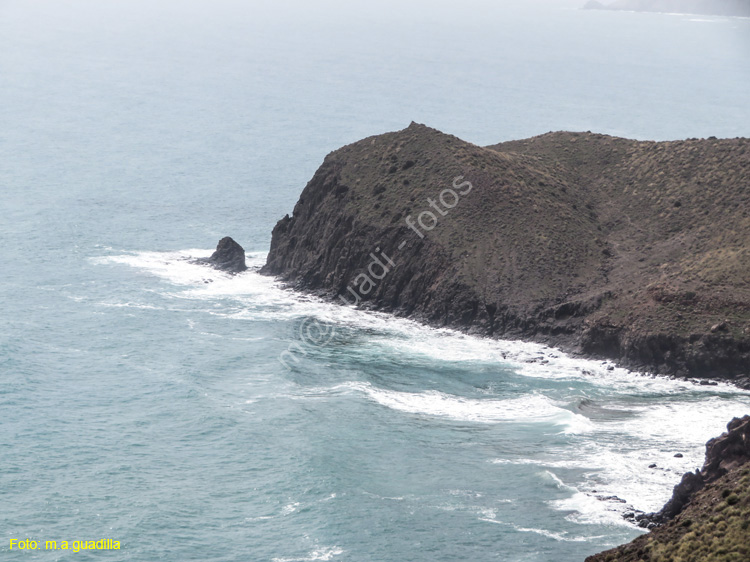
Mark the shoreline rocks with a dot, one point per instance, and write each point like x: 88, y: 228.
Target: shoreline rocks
x: 724, y: 453
x: 715, y: 497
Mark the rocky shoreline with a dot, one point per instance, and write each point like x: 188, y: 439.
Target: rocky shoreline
x: 630, y: 251
x: 708, y: 515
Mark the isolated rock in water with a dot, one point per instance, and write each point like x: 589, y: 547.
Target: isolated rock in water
x: 229, y: 256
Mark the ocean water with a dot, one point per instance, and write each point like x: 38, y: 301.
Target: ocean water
x: 192, y: 415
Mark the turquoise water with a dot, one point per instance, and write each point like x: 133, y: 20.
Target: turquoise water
x: 141, y: 403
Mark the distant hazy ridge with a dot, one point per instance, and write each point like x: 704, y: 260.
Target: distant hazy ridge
x: 702, y: 7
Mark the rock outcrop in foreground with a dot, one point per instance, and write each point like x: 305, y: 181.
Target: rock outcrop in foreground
x: 633, y: 251
x: 699, y: 7
x: 229, y: 256
x: 724, y: 453
x: 708, y: 517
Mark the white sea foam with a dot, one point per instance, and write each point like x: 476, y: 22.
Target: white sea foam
x: 528, y: 409
x: 129, y: 305
x: 202, y: 282
x: 563, y: 537
x: 539, y: 361
x: 324, y: 553
x: 616, y: 457
x: 552, y: 478
x: 173, y: 266
x: 550, y: 463
x: 589, y: 509
x: 609, y: 473
x: 528, y: 359
x: 550, y: 534
x: 290, y: 508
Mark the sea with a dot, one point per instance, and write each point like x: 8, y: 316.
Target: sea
x: 193, y: 415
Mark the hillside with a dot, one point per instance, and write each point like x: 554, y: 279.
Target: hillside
x: 634, y: 251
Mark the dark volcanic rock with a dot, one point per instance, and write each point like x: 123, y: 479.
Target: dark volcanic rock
x: 571, y: 239
x: 229, y: 256
x: 698, y: 507
x: 690, y: 483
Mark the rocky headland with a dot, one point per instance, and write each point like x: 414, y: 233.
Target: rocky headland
x: 708, y: 517
x: 633, y: 251
x: 698, y: 7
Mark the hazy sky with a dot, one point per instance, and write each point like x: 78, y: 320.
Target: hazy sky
x: 481, y: 52
x: 396, y: 11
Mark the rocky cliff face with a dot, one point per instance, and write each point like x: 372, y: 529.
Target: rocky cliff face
x: 708, y: 516
x: 634, y: 251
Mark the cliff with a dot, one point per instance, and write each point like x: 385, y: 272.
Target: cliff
x: 633, y: 251
x: 698, y: 7
x: 708, y: 516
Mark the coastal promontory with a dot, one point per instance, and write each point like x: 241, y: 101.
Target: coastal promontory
x: 634, y: 251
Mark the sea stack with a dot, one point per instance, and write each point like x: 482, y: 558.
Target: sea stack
x: 627, y: 250
x: 229, y: 257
